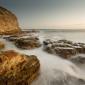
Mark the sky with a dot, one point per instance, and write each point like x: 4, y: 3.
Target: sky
x: 47, y: 13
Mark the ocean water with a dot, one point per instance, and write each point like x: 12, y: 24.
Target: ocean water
x: 74, y: 35
x: 53, y: 69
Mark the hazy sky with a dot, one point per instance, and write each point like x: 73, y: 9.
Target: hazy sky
x: 47, y: 13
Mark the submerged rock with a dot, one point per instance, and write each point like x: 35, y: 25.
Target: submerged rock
x: 18, y: 69
x: 8, y: 22
x: 80, y: 47
x: 78, y: 59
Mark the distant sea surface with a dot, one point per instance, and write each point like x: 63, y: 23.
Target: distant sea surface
x: 74, y: 35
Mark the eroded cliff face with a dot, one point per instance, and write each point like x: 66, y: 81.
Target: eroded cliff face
x: 8, y: 22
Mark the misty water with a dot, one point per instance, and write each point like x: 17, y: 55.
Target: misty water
x: 53, y: 69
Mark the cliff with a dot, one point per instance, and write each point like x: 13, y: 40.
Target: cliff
x: 8, y: 22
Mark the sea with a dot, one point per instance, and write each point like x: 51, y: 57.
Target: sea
x: 76, y: 35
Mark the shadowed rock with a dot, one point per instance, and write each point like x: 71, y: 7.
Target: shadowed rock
x: 80, y: 47
x: 65, y: 52
x: 78, y: 59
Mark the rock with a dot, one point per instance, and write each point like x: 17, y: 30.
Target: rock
x: 62, y: 48
x: 28, y: 43
x: 65, y: 52
x: 8, y: 22
x: 80, y: 47
x: 23, y: 41
x: 48, y: 48
x: 78, y: 59
x: 2, y: 45
x: 18, y: 69
x: 65, y: 41
x: 47, y: 41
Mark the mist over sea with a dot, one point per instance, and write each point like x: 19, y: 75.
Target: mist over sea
x: 53, y: 69
x: 76, y: 35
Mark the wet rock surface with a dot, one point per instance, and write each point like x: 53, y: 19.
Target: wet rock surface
x: 80, y: 59
x: 63, y: 48
x: 28, y: 43
x: 18, y: 69
x: 24, y: 41
x: 8, y: 22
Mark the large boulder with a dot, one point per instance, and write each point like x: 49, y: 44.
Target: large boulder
x: 18, y: 69
x: 2, y: 45
x: 80, y: 47
x: 63, y: 48
x: 8, y: 22
x: 28, y: 43
x: 65, y: 52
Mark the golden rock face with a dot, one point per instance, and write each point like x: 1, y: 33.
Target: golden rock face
x: 18, y: 69
x: 8, y: 22
x: 2, y: 45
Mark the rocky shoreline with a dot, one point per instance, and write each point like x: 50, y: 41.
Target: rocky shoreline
x: 64, y: 48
